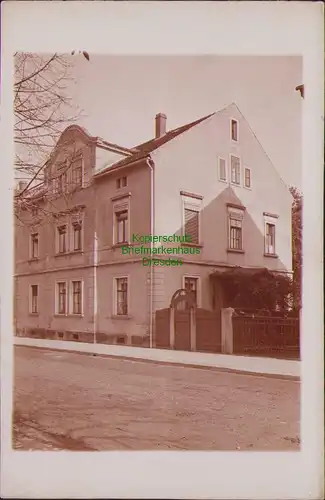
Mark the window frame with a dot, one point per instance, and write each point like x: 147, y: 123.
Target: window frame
x: 31, y: 245
x: 270, y: 220
x: 31, y: 299
x: 196, y: 277
x: 119, y: 206
x: 237, y: 130
x: 57, y: 238
x: 219, y: 176
x: 74, y: 223
x: 237, y: 214
x: 250, y: 178
x: 71, y: 297
x: 193, y: 203
x: 115, y: 295
x: 230, y: 168
x: 57, y: 297
x: 74, y: 166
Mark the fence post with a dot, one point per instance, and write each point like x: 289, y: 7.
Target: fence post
x: 172, y: 327
x: 227, y: 345
x: 193, y: 329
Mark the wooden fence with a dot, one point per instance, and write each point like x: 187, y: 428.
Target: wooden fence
x: 266, y: 335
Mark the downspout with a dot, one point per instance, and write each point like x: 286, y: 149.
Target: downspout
x: 152, y: 229
x: 95, y: 263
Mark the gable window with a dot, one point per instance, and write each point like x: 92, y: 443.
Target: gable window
x: 235, y: 169
x: 235, y: 228
x: 34, y: 299
x: 76, y: 297
x: 121, y: 296
x: 61, y: 291
x: 77, y: 235
x: 34, y: 247
x: 234, y: 130
x: 222, y: 169
x: 247, y: 177
x: 62, y: 239
x: 77, y: 171
x: 191, y: 285
x: 121, y: 182
x: 63, y: 183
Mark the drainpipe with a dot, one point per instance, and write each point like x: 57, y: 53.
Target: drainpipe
x: 95, y: 263
x: 152, y: 228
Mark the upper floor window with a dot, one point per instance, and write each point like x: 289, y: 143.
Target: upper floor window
x: 34, y: 246
x: 235, y: 169
x: 235, y: 228
x: 121, y: 182
x: 121, y: 226
x: 234, y: 130
x: 191, y: 216
x: 77, y: 235
x: 62, y: 238
x: 248, y: 178
x: 222, y: 169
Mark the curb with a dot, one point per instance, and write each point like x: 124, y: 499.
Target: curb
x: 140, y: 359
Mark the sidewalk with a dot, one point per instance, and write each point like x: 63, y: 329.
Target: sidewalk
x: 242, y: 364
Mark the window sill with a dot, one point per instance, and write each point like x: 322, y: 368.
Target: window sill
x: 238, y: 184
x: 194, y: 245
x: 73, y: 252
x: 33, y: 314
x: 120, y: 245
x: 234, y: 250
x: 120, y: 316
x: 223, y: 180
x: 272, y: 255
x: 34, y: 259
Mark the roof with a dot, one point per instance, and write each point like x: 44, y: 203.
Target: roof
x: 143, y: 150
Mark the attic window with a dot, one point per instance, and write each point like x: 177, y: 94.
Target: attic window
x: 121, y: 182
x: 234, y: 130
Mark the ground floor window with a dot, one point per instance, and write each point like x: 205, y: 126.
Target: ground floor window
x: 34, y: 299
x: 121, y: 296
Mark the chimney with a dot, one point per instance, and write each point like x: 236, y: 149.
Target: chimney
x: 160, y: 125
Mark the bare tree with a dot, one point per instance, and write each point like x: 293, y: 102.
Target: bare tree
x: 297, y: 206
x: 42, y: 109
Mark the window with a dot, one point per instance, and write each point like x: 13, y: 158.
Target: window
x: 121, y: 226
x: 121, y: 296
x: 77, y: 236
x: 34, y: 246
x: 62, y: 239
x: 121, y: 182
x: 247, y: 177
x: 76, y: 297
x: 235, y: 169
x: 234, y: 130
x: 269, y: 238
x: 63, y: 183
x: 191, y: 285
x: 62, y: 297
x: 222, y: 169
x: 77, y: 168
x: 34, y: 299
x: 35, y: 211
x: 192, y: 224
x: 235, y: 234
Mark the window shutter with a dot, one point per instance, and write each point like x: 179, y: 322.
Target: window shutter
x: 192, y: 224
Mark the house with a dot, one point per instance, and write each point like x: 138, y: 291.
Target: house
x: 80, y: 270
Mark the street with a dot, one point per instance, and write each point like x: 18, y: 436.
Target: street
x: 72, y: 401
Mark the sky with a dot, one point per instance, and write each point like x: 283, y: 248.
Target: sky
x: 119, y: 96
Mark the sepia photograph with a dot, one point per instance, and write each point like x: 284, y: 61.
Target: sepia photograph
x: 189, y: 241
x: 160, y: 289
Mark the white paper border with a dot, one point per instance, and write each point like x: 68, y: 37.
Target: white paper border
x: 224, y: 28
